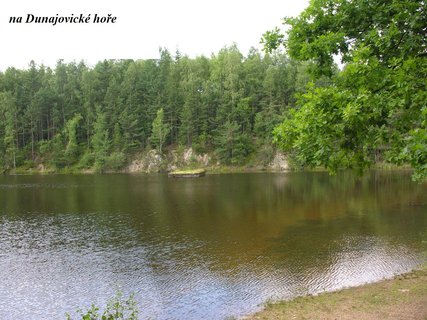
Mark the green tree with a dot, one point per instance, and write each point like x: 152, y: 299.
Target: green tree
x: 227, y: 77
x: 374, y: 108
x: 232, y: 146
x: 8, y: 108
x: 58, y: 157
x: 100, y: 140
x: 187, y: 125
x: 198, y: 97
x: 160, y: 130
x: 117, y: 138
x: 72, y: 148
x: 134, y: 119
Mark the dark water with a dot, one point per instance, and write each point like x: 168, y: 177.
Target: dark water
x: 206, y: 248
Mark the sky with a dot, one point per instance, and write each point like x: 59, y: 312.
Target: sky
x: 194, y: 27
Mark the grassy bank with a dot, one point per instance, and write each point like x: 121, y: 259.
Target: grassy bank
x: 404, y: 297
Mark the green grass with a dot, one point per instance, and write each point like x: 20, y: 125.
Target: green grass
x: 403, y: 295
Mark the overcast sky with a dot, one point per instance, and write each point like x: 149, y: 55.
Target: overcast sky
x: 195, y: 27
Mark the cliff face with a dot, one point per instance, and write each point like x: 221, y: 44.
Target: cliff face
x: 279, y: 162
x: 152, y: 161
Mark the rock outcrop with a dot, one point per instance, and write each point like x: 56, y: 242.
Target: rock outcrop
x: 279, y: 162
x: 152, y: 161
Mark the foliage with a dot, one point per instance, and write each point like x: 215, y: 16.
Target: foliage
x: 118, y: 308
x: 75, y: 116
x: 71, y: 150
x: 116, y: 161
x: 233, y: 146
x: 8, y: 108
x: 160, y: 130
x: 87, y: 160
x: 376, y: 104
x: 100, y: 140
x: 58, y: 157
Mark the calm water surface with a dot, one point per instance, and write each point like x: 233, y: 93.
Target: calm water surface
x: 207, y: 248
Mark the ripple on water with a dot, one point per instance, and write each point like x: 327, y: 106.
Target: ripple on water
x: 210, y: 260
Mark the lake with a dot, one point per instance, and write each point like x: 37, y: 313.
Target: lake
x: 206, y: 248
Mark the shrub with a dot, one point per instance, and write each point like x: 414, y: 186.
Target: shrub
x: 116, y: 161
x: 117, y: 308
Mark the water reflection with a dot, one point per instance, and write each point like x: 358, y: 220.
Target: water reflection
x: 200, y: 249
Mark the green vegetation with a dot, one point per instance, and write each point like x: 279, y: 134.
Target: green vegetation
x: 376, y: 107
x: 75, y: 118
x: 118, y: 308
x: 403, y: 297
x: 373, y: 110
x: 160, y: 130
x: 189, y: 171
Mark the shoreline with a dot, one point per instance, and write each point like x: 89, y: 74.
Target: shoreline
x: 209, y: 170
x: 219, y: 169
x: 176, y: 159
x: 402, y: 297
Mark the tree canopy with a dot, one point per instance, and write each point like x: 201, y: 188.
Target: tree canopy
x: 376, y: 107
x: 100, y: 117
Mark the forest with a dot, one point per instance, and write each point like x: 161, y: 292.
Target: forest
x: 99, y: 117
x: 371, y: 109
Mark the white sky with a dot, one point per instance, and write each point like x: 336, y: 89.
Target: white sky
x: 195, y: 27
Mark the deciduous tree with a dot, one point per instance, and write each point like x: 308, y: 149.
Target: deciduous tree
x: 377, y: 104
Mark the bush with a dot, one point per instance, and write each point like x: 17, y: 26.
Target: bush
x: 116, y: 161
x: 44, y: 148
x: 265, y: 153
x: 87, y: 160
x: 117, y: 308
